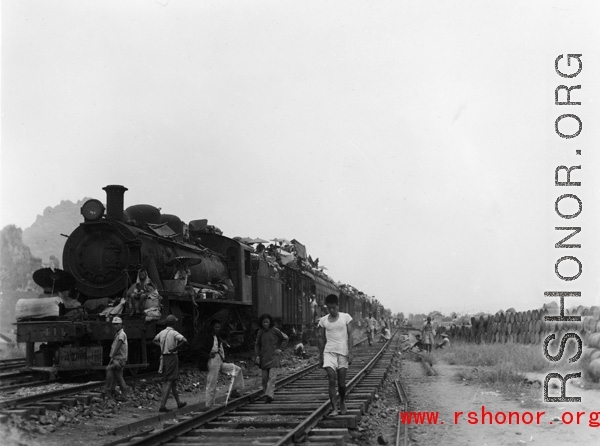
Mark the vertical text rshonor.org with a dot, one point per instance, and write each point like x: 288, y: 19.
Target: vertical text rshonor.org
x: 567, y: 68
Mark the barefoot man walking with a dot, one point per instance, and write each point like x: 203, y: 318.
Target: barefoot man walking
x: 335, y: 351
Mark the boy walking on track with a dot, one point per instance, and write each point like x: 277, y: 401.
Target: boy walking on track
x: 335, y: 351
x: 170, y: 341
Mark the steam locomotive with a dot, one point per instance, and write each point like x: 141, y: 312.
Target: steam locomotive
x: 226, y: 279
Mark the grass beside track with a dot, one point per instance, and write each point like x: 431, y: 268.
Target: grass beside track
x: 522, y: 358
x: 504, y: 367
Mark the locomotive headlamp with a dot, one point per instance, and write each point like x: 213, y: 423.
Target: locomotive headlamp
x: 92, y: 210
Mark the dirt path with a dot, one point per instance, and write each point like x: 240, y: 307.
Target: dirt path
x: 446, y: 395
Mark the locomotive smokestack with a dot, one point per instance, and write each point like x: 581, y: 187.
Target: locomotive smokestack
x: 114, y: 201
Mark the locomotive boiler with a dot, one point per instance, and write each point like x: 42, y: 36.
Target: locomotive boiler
x: 105, y: 252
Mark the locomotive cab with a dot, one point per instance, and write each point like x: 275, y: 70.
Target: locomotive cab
x: 239, y: 263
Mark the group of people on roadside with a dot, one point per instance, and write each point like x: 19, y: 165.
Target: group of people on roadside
x: 335, y: 355
x: 426, y: 339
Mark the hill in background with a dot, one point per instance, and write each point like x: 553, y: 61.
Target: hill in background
x: 44, y: 237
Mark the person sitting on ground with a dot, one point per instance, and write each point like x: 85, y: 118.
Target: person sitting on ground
x: 386, y: 335
x: 300, y: 351
x: 444, y: 343
x: 418, y: 344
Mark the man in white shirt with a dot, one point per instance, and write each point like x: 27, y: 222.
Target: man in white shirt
x: 335, y: 351
x: 118, y: 359
x: 445, y: 342
x: 170, y: 340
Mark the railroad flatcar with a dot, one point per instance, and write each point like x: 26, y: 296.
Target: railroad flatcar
x: 225, y: 279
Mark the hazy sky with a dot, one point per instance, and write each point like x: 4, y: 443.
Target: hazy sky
x: 410, y: 145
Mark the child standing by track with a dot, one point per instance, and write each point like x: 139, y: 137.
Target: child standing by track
x: 270, y: 341
x: 428, y: 335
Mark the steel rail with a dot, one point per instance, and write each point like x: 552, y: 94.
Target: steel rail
x: 404, y: 401
x: 169, y: 433
x: 9, y: 364
x: 315, y: 417
x: 22, y: 401
x: 28, y: 384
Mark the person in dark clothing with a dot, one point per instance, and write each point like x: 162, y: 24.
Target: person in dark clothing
x: 138, y: 293
x: 418, y: 344
x: 270, y: 341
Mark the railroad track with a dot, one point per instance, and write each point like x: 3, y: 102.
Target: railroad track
x: 401, y: 431
x: 9, y: 382
x: 10, y: 364
x: 54, y: 400
x: 297, y: 414
x: 37, y: 404
x: 13, y: 376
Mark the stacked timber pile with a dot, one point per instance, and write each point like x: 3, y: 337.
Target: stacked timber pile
x: 529, y: 327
